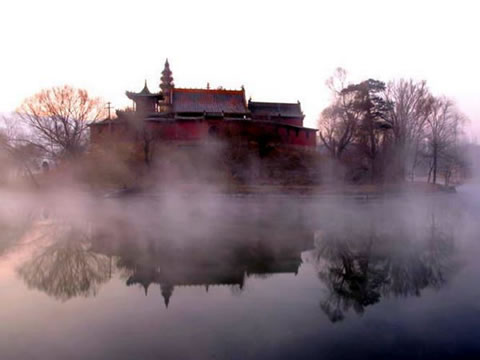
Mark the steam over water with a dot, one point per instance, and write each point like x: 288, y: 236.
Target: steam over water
x: 177, y: 276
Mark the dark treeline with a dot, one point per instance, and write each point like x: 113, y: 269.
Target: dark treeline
x: 391, y: 132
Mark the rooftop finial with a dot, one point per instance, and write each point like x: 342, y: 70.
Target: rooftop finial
x: 145, y: 89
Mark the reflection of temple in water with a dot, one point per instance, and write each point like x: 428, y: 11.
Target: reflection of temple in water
x: 248, y: 242
x: 168, y: 278
x: 189, y: 268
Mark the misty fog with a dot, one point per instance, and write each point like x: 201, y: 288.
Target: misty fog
x: 343, y: 257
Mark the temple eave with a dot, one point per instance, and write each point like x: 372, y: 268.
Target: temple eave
x: 134, y: 96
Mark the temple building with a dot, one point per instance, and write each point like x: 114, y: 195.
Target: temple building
x: 183, y: 115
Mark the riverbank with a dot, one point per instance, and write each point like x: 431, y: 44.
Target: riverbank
x: 355, y: 191
x: 377, y: 189
x: 347, y: 190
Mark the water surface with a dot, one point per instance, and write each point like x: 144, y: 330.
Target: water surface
x: 173, y: 276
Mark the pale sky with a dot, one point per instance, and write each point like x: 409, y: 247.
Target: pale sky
x: 279, y: 50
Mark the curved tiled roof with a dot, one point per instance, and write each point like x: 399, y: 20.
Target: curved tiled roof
x: 209, y: 100
x: 274, y: 109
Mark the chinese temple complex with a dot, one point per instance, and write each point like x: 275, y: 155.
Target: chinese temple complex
x: 189, y: 116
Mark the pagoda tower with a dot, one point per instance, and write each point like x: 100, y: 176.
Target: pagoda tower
x: 166, y: 82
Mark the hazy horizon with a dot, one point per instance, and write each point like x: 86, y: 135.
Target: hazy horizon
x: 281, y: 52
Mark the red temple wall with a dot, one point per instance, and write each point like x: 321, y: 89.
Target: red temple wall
x: 254, y: 130
x: 198, y: 130
x: 185, y: 130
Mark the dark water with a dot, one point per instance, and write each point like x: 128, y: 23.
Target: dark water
x: 216, y: 277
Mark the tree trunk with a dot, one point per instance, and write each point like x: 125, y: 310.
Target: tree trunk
x: 414, y: 164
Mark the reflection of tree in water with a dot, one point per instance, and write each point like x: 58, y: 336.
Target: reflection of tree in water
x: 67, y: 267
x: 361, y: 265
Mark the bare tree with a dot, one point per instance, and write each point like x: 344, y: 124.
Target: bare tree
x: 18, y: 156
x: 443, y: 127
x: 412, y: 104
x: 59, y: 117
x: 338, y: 122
